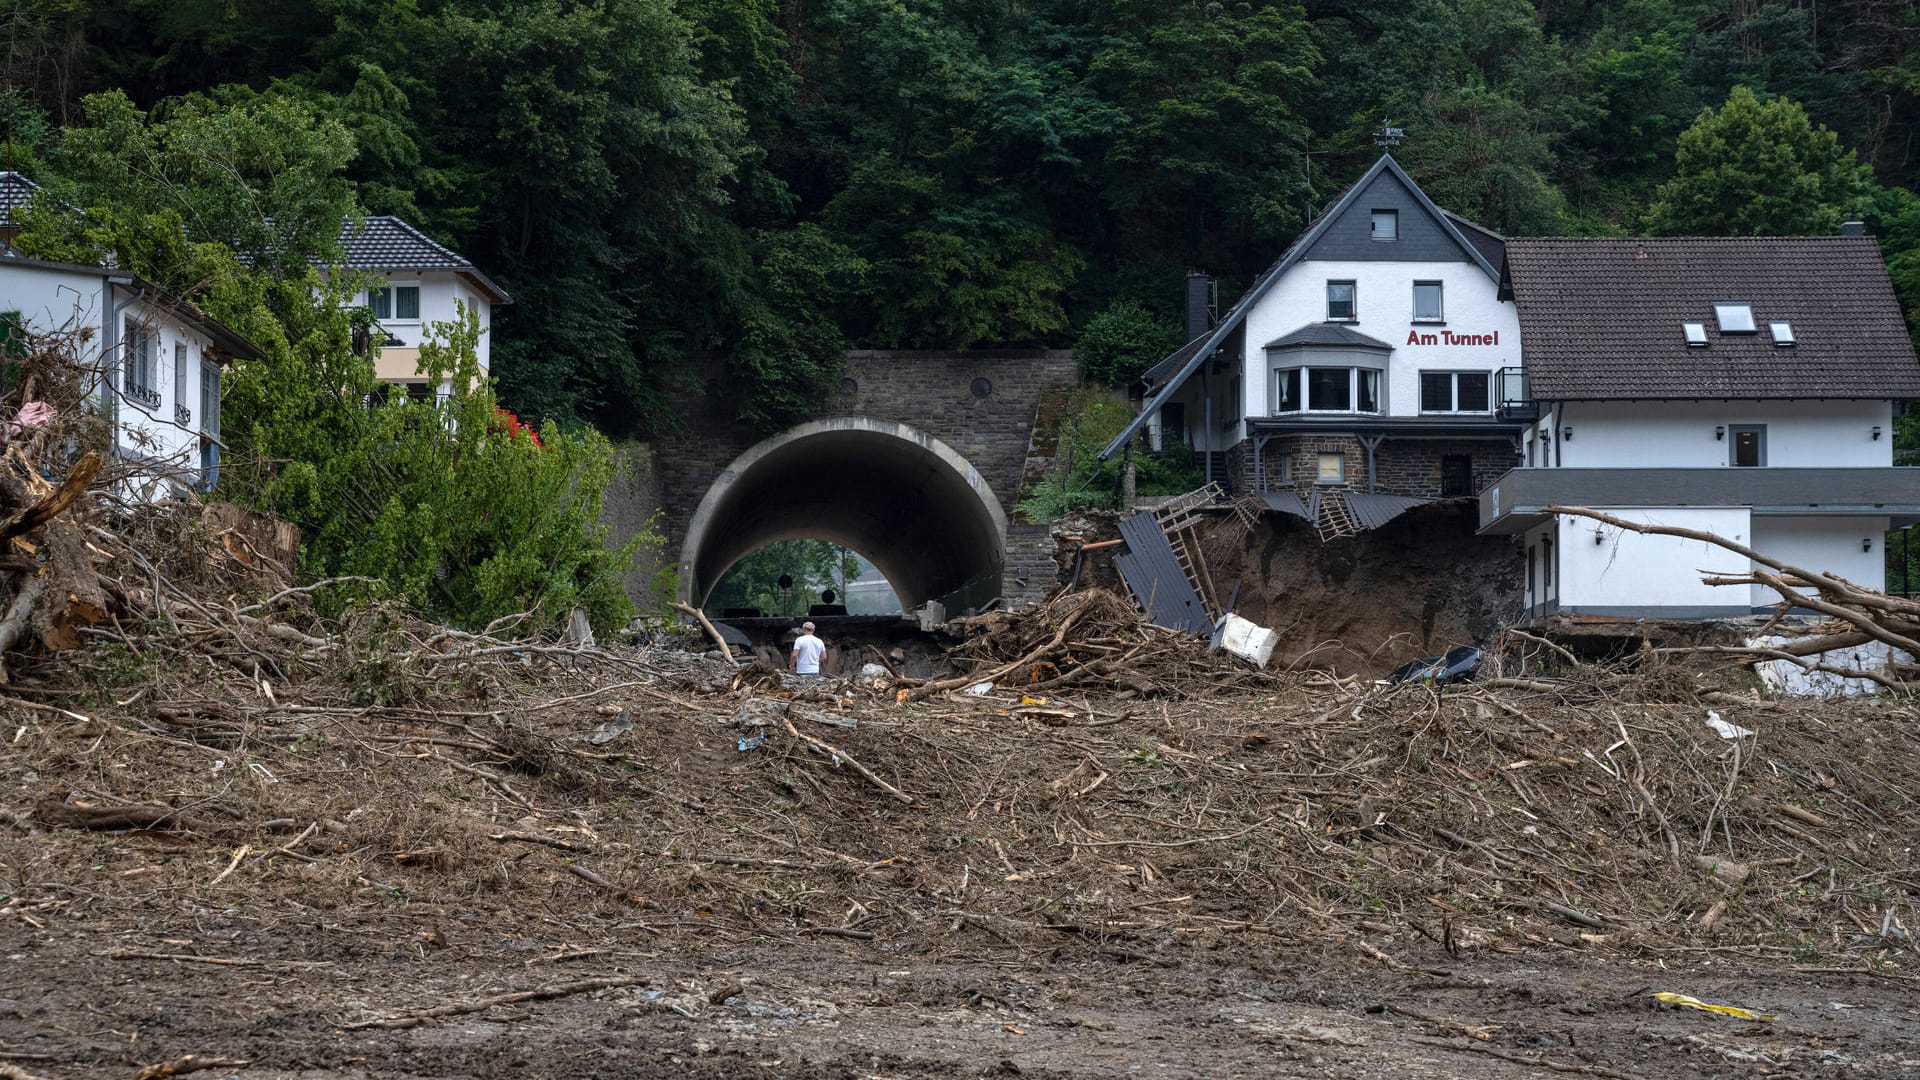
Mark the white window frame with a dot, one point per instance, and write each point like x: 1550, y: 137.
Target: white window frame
x: 1353, y: 300
x: 1320, y: 467
x: 1373, y: 224
x: 1439, y: 292
x: 1355, y: 378
x: 1453, y: 394
x: 396, y: 288
x: 1731, y: 314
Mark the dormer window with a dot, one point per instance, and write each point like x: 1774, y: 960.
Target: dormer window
x: 1696, y: 334
x: 1735, y: 318
x: 1782, y: 333
x: 1386, y: 224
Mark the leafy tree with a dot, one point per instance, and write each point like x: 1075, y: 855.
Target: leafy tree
x: 811, y: 566
x: 1125, y: 339
x: 261, y: 174
x: 1754, y: 168
x: 455, y: 510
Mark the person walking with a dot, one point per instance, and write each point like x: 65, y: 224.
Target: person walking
x: 807, y: 651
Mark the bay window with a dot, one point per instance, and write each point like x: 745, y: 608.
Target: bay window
x: 1326, y: 389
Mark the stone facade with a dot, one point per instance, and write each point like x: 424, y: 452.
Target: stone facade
x: 982, y: 404
x: 1412, y: 467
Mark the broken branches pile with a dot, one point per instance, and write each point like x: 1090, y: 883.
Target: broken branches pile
x: 1091, y: 640
x: 1853, y: 614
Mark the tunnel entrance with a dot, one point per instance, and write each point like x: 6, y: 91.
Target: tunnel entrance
x: 910, y: 504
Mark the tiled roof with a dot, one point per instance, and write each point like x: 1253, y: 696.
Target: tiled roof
x: 15, y: 190
x: 1600, y: 319
x: 1183, y: 363
x: 1324, y: 333
x: 385, y: 243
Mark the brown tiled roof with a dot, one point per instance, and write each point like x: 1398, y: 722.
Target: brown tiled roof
x: 1601, y: 318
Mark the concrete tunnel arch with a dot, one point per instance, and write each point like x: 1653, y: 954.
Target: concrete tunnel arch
x: 915, y: 508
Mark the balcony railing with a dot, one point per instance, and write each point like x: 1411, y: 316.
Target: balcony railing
x: 144, y: 395
x: 1519, y: 499
x: 1514, y: 395
x: 183, y: 416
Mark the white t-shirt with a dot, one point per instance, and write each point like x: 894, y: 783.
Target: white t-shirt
x: 810, y: 650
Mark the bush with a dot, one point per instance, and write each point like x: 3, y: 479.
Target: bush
x: 1093, y: 422
x: 1122, y: 341
x: 455, y: 506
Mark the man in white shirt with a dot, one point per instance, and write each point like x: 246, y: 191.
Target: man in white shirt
x: 807, y: 651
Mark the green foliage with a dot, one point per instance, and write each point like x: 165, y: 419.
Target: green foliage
x: 460, y: 516
x: 260, y: 174
x: 813, y: 566
x: 1758, y: 169
x: 1124, y: 340
x: 465, y: 522
x: 1079, y: 483
x: 665, y: 184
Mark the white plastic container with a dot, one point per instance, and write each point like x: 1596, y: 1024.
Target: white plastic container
x: 1247, y: 640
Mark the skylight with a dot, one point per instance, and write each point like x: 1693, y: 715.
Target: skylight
x: 1735, y: 318
x: 1696, y: 333
x: 1782, y: 332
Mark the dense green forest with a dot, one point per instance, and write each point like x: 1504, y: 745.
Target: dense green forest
x: 663, y: 180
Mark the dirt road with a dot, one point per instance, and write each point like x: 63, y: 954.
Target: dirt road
x: 95, y: 1000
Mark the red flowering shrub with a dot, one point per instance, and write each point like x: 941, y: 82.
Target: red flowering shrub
x: 505, y: 420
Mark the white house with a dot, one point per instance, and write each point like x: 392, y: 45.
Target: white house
x: 1739, y: 385
x: 158, y: 357
x: 1373, y: 368
x: 425, y: 283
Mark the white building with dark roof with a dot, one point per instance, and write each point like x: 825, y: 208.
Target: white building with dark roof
x: 159, y: 361
x: 425, y: 282
x: 1742, y: 386
x: 1374, y: 368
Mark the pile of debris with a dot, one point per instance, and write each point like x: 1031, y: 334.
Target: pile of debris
x: 1854, y: 618
x: 1091, y: 640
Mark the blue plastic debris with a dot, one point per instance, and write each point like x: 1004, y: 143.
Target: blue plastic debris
x: 752, y: 742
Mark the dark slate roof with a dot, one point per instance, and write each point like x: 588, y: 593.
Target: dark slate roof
x: 386, y: 243
x: 1601, y: 319
x: 1159, y: 372
x: 1325, y: 333
x: 1491, y: 245
x: 1238, y: 313
x: 15, y: 190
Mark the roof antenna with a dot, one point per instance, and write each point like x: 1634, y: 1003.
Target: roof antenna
x: 1389, y: 136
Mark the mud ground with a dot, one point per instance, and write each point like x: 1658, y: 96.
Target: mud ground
x: 1431, y: 583
x: 90, y: 999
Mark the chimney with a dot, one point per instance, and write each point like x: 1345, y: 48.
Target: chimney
x: 1199, y: 304
x: 1853, y: 228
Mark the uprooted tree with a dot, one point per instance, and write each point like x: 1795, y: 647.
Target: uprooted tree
x: 1860, y: 615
